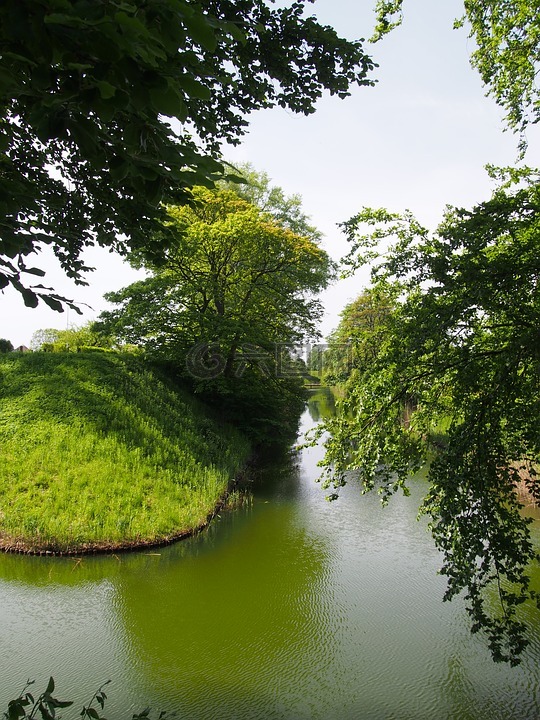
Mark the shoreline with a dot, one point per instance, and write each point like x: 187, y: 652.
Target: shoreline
x: 20, y: 547
x: 103, y: 453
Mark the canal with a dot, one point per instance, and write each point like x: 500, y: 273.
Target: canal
x: 289, y: 608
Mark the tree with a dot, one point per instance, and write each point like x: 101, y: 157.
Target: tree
x: 233, y: 297
x: 44, y: 337
x: 507, y: 54
x: 5, y: 345
x: 357, y: 340
x: 463, y: 341
x: 111, y: 110
x: 72, y: 339
x: 257, y: 189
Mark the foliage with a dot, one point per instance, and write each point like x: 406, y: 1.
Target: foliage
x: 43, y: 337
x: 507, y: 55
x: 463, y: 344
x: 88, y: 154
x: 72, y: 339
x: 257, y: 189
x: 357, y: 340
x: 233, y: 297
x: 5, y: 345
x: 389, y: 15
x: 99, y: 450
x: 25, y: 707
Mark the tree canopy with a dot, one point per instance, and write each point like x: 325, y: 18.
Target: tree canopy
x: 457, y: 373
x: 88, y: 152
x: 507, y: 53
x: 287, y: 210
x: 356, y: 342
x: 235, y: 293
x: 72, y: 339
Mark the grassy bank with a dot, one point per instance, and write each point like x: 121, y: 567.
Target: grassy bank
x: 97, y: 450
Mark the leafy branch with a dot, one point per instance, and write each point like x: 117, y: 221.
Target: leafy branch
x: 26, y: 707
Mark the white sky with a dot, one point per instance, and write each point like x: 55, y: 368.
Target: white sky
x: 419, y: 140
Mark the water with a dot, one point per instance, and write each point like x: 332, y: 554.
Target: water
x: 293, y: 608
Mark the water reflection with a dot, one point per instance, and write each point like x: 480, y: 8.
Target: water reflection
x: 237, y: 627
x: 321, y: 404
x: 292, y: 608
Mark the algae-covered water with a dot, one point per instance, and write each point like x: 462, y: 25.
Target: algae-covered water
x: 292, y: 608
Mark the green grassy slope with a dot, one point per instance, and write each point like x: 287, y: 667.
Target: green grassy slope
x: 97, y: 450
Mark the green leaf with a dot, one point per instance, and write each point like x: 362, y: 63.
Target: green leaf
x: 92, y: 713
x: 30, y: 298
x: 167, y: 102
x: 79, y: 66
x: 53, y: 304
x: 63, y: 703
x: 18, y: 58
x: 86, y: 136
x: 35, y: 271
x: 133, y: 24
x: 235, y: 32
x: 143, y: 715
x: 119, y: 168
x: 201, y: 31
x: 106, y: 90
x: 194, y: 88
x: 45, y: 712
x: 69, y: 20
x: 50, y: 686
x: 7, y: 80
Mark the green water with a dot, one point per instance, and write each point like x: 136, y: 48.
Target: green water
x: 293, y: 608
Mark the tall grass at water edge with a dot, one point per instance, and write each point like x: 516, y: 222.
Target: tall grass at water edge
x: 97, y: 449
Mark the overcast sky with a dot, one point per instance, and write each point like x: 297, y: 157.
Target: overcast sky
x: 418, y: 140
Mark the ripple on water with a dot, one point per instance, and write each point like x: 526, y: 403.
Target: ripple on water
x: 298, y: 609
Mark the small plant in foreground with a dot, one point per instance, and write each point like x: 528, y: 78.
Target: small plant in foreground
x: 25, y: 707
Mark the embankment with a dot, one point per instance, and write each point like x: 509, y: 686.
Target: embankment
x: 99, y: 452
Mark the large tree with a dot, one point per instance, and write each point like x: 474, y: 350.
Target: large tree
x: 506, y: 34
x: 357, y: 340
x: 232, y: 297
x: 88, y: 154
x: 464, y: 344
x: 257, y: 188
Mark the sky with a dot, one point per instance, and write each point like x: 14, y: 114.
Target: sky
x: 418, y: 140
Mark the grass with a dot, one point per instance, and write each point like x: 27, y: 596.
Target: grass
x: 97, y: 450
